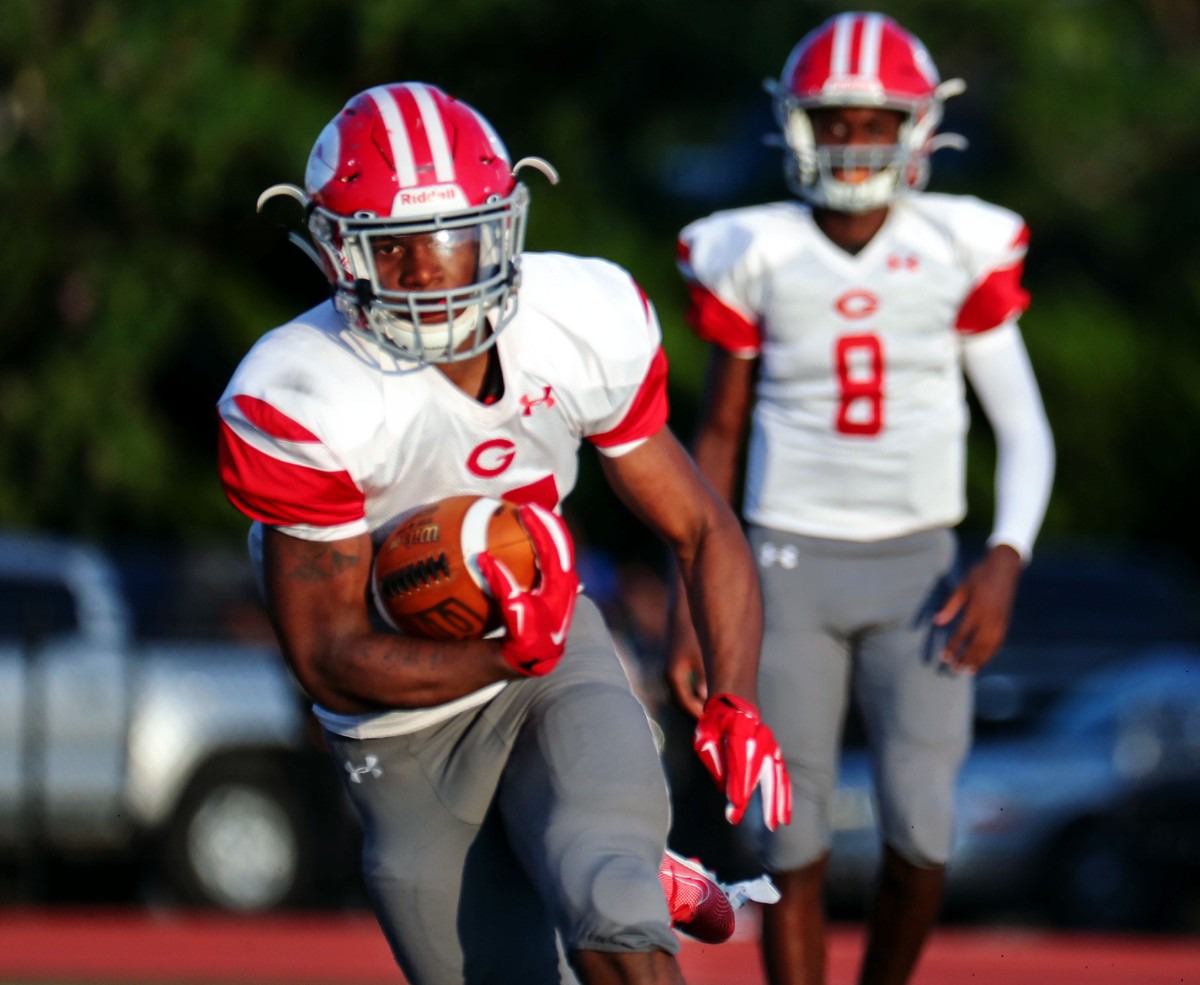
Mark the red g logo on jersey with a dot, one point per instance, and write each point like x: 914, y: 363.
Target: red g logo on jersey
x: 858, y: 303
x: 492, y: 457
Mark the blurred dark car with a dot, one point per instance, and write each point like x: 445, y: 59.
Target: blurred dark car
x: 1079, y: 611
x: 1159, y: 825
x: 1087, y: 727
x: 1050, y: 820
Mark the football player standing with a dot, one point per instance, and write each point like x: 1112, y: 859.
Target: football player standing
x: 512, y: 799
x: 841, y: 326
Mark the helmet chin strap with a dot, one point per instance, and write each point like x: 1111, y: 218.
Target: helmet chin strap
x: 294, y: 192
x: 876, y: 192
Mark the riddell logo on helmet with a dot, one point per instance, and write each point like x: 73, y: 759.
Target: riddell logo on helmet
x: 428, y: 195
x: 852, y: 85
x: 420, y: 199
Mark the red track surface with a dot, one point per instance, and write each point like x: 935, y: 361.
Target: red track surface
x: 134, y: 947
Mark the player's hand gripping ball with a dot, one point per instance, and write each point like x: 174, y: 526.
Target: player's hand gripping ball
x: 537, y: 620
x: 426, y: 579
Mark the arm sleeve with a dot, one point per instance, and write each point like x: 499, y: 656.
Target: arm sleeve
x: 998, y: 368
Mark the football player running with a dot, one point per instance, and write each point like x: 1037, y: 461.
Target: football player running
x: 513, y: 802
x: 841, y: 326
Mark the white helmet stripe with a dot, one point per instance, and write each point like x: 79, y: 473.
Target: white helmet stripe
x: 869, y: 46
x: 842, y: 60
x: 393, y: 119
x: 843, y: 31
x: 435, y: 131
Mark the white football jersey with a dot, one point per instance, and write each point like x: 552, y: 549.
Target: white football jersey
x: 326, y: 436
x: 860, y: 417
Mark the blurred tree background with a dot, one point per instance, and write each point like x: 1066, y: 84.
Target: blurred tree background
x: 135, y: 138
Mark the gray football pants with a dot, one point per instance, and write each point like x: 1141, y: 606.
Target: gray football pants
x: 846, y: 618
x: 543, y: 810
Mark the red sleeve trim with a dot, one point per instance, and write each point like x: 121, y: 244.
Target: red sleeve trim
x: 647, y: 414
x: 282, y: 493
x: 711, y: 318
x: 999, y: 297
x: 714, y: 321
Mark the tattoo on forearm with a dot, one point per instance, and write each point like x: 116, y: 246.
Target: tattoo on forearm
x: 320, y: 562
x: 395, y: 649
x: 411, y: 653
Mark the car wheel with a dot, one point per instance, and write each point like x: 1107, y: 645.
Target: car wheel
x: 240, y: 842
x: 1094, y: 882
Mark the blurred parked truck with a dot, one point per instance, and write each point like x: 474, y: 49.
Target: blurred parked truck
x: 191, y: 761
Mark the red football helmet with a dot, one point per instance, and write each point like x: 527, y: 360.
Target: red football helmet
x: 861, y: 59
x: 407, y: 159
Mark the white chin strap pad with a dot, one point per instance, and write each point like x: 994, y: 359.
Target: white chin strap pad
x: 433, y: 340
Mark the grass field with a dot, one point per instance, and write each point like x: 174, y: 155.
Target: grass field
x: 134, y: 947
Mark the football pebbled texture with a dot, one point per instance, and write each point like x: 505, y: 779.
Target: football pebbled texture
x: 426, y: 579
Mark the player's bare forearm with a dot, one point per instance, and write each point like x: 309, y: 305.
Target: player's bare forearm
x: 716, y: 449
x: 663, y: 486
x: 725, y: 600
x: 685, y: 672
x: 317, y: 598
x: 386, y: 670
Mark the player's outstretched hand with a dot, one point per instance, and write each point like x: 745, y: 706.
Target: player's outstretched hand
x: 742, y: 755
x: 537, y: 619
x: 981, y: 606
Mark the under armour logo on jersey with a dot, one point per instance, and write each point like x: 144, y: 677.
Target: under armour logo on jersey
x: 897, y: 262
x: 528, y: 403
x: 370, y: 767
x: 786, y: 557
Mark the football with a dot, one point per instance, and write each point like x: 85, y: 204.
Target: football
x: 426, y: 577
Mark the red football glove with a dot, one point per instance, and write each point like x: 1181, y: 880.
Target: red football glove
x: 742, y: 754
x: 537, y: 620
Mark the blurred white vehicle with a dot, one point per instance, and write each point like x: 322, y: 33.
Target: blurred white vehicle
x: 192, y: 757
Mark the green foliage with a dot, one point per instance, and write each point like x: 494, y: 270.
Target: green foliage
x: 135, y: 138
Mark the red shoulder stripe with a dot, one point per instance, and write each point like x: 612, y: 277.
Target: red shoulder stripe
x: 271, y: 421
x: 283, y: 493
x: 648, y: 412
x: 715, y: 322
x: 999, y: 297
